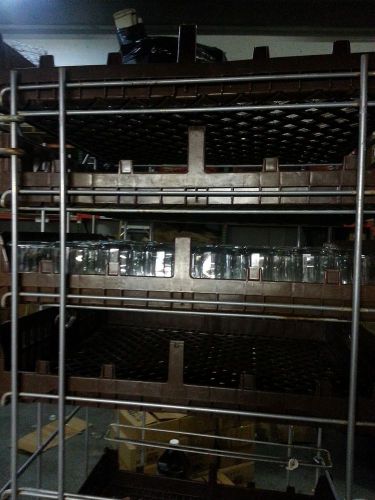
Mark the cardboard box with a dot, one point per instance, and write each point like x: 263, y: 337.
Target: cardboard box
x: 29, y: 442
x: 130, y: 455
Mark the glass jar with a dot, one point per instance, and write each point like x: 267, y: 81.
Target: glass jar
x: 260, y: 257
x: 239, y: 263
x: 368, y: 269
x: 206, y: 262
x: 56, y: 257
x: 30, y: 254
x: 125, y: 258
x: 329, y: 260
x: 310, y: 264
x: 282, y: 261
x: 225, y: 262
x: 164, y: 262
x: 345, y: 265
x: 88, y: 258
x: 138, y: 260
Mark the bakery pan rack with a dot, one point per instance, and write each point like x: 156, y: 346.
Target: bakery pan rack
x: 345, y: 84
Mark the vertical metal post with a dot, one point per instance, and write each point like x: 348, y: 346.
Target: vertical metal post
x: 289, y: 451
x: 318, y: 445
x: 14, y: 290
x: 39, y: 421
x: 39, y: 407
x: 62, y: 307
x: 329, y: 234
x: 87, y: 437
x: 68, y: 222
x: 43, y: 220
x: 299, y: 236
x: 93, y: 224
x: 357, y: 277
x: 142, y: 460
x: 125, y: 233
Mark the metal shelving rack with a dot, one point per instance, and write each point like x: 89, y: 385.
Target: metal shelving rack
x: 62, y: 398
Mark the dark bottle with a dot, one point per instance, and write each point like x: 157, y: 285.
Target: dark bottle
x: 174, y: 463
x: 137, y: 47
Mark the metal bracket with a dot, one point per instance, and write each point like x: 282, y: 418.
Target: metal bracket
x: 176, y: 363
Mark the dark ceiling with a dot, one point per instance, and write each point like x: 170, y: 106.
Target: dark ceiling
x: 293, y: 17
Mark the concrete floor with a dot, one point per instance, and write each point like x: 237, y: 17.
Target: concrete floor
x: 267, y: 476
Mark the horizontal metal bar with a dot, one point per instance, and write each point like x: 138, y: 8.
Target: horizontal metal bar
x: 186, y: 81
x: 239, y: 165
x: 215, y: 452
x: 197, y: 409
x: 272, y: 305
x: 182, y: 80
x: 39, y: 493
x: 206, y: 109
x: 222, y: 438
x: 201, y: 211
x: 199, y: 313
x: 37, y: 452
x: 195, y: 193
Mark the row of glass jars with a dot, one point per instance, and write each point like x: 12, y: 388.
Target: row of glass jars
x: 89, y: 257
x: 308, y: 264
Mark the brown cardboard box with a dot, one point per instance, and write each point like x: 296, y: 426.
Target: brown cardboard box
x: 130, y: 455
x: 29, y: 443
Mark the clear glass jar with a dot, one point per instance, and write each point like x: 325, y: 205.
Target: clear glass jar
x: 56, y: 257
x: 88, y: 258
x: 30, y: 254
x: 239, y: 263
x: 345, y: 266
x: 138, y: 260
x: 164, y: 262
x: 281, y: 264
x: 225, y: 261
x: 310, y: 264
x: 329, y: 260
x: 260, y: 257
x: 206, y: 262
x: 125, y: 258
x: 368, y: 269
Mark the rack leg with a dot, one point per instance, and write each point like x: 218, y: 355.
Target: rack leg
x: 318, y: 445
x: 39, y: 421
x: 87, y: 443
x: 289, y: 451
x: 62, y: 290
x: 357, y: 277
x: 14, y: 291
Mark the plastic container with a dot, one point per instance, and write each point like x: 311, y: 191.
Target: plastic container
x: 174, y: 463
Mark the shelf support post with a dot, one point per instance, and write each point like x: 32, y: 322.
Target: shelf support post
x: 357, y: 277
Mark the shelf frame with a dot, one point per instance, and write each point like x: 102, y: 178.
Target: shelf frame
x: 62, y: 398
